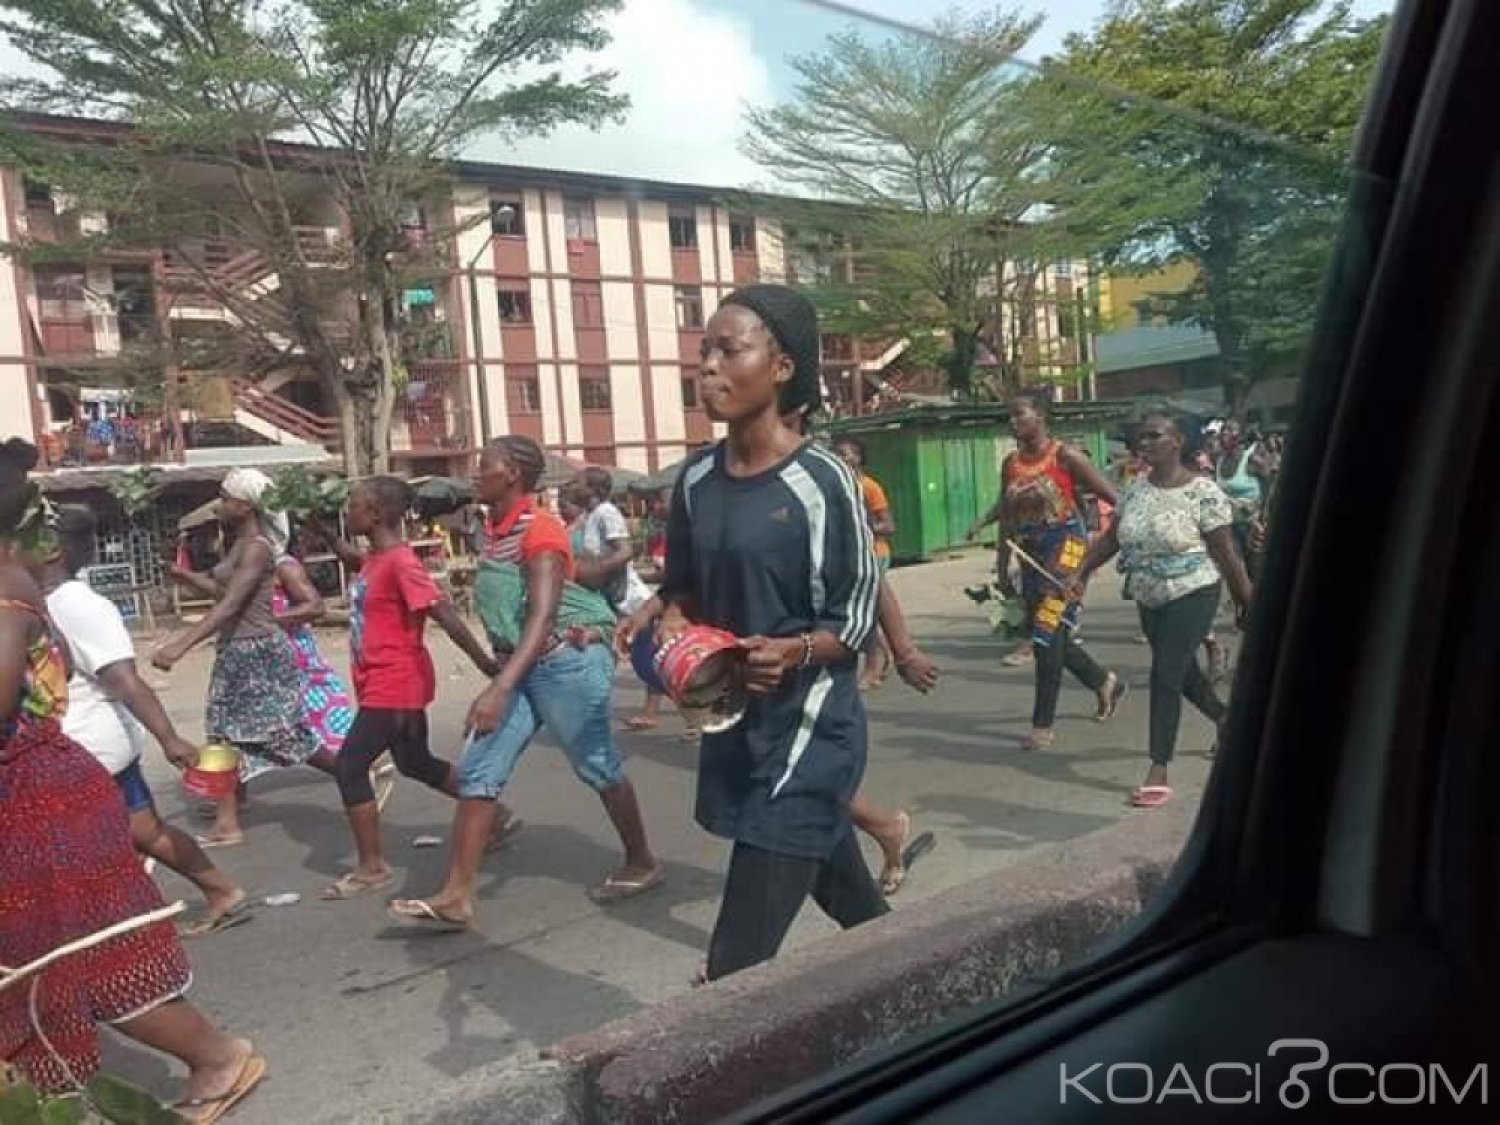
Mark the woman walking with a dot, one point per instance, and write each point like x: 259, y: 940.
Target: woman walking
x: 1172, y: 533
x: 327, y: 706
x: 255, y: 694
x: 1038, y: 511
x: 1241, y: 470
x: 70, y: 869
x: 768, y: 539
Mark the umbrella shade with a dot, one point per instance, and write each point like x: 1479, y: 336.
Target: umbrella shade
x: 626, y: 480
x: 437, y: 496
x: 559, y: 471
x: 200, y: 516
x: 662, y: 478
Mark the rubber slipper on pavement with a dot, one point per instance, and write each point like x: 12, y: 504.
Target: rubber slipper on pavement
x: 1151, y: 796
x: 616, y: 889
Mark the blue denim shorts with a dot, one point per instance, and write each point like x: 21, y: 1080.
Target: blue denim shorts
x: 133, y: 788
x: 569, y: 692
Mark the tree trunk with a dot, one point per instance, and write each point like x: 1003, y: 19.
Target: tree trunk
x: 964, y: 343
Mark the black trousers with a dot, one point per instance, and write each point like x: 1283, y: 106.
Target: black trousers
x: 765, y: 890
x: 1175, y: 631
x: 1050, y: 660
x: 375, y: 730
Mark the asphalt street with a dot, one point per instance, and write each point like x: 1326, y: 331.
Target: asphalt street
x: 346, y: 1009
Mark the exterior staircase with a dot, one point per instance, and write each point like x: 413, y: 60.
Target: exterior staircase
x: 281, y: 421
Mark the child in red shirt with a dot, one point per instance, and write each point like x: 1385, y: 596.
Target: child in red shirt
x: 394, y: 681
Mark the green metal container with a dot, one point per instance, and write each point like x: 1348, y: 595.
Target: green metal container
x: 940, y: 466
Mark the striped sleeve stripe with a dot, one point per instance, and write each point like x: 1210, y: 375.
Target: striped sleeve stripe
x: 812, y: 708
x: 691, y: 476
x: 864, y: 598
x: 815, y: 509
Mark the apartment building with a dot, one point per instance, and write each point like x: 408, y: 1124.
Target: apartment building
x: 571, y: 310
x: 573, y: 313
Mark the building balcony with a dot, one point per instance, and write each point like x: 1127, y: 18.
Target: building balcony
x: 432, y: 416
x: 141, y: 438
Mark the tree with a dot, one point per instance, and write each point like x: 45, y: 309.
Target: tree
x: 246, y: 120
x: 1228, y: 150
x: 919, y: 171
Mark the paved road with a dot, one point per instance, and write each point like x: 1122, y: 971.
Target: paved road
x: 347, y: 1010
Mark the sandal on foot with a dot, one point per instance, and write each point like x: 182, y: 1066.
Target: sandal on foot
x: 1038, y: 740
x: 207, y: 842
x: 416, y: 914
x: 1150, y: 796
x: 504, y: 834
x: 351, y: 884
x: 1112, y: 704
x: 214, y: 1109
x: 923, y: 843
x: 617, y: 888
x: 638, y: 723
x: 894, y: 874
x: 236, y: 915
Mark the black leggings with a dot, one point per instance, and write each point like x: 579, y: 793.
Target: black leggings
x: 1175, y: 631
x: 764, y: 891
x: 1063, y: 652
x: 375, y: 730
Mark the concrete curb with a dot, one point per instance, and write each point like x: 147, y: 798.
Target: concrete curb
x: 709, y: 1052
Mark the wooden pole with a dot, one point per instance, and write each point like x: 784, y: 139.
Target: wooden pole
x: 1036, y: 566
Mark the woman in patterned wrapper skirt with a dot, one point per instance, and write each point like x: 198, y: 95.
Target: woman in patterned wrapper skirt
x: 70, y: 869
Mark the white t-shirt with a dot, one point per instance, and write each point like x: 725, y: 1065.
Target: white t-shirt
x: 1161, y: 532
x: 601, y: 527
x: 637, y: 593
x: 96, y: 637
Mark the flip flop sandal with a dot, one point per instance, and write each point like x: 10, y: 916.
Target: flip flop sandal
x: 351, y: 885
x: 638, y: 723
x: 920, y: 846
x: 208, y: 842
x: 913, y: 851
x: 417, y: 914
x: 1150, y: 796
x: 236, y: 915
x: 894, y: 874
x: 1037, y: 741
x: 1116, y: 694
x: 1015, y: 660
x: 615, y: 889
x: 505, y: 834
x: 214, y: 1109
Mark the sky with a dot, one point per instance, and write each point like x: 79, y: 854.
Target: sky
x: 691, y: 67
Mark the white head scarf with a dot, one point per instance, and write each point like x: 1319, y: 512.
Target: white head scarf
x: 250, y: 485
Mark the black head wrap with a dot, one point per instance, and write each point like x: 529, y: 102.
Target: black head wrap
x: 793, y: 323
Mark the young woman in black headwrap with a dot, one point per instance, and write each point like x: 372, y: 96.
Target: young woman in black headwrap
x: 767, y: 538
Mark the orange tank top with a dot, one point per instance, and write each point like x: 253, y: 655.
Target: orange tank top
x: 1038, y: 490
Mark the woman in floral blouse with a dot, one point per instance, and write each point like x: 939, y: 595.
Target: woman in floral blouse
x: 1172, y: 530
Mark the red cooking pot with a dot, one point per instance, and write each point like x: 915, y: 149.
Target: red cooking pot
x: 703, y: 669
x: 217, y: 773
